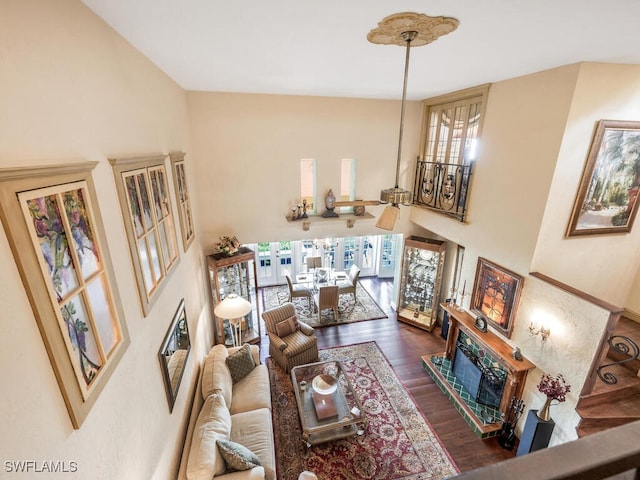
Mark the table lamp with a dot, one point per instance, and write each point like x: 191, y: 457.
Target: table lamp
x: 233, y: 308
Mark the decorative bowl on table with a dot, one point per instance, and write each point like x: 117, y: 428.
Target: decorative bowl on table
x: 325, y: 384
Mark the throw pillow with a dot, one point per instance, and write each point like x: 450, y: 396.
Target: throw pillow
x: 287, y: 327
x: 236, y: 456
x: 240, y: 363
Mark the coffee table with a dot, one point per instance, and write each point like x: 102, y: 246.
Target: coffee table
x: 327, y: 402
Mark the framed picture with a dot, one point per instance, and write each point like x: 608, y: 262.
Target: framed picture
x: 606, y: 199
x: 143, y: 192
x: 184, y: 201
x: 173, y: 354
x: 59, y: 246
x: 495, y: 296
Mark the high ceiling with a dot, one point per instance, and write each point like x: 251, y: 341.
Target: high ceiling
x: 299, y: 47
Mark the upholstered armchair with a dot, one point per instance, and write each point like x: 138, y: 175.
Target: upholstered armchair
x: 291, y: 342
x: 349, y: 285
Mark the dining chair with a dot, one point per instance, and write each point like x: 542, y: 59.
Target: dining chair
x: 298, y: 290
x: 328, y: 298
x: 350, y: 284
x: 313, y: 263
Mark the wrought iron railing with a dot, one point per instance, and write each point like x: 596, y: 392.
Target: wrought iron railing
x: 443, y: 187
x: 623, y: 345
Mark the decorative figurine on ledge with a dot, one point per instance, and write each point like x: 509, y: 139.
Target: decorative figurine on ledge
x: 330, y: 202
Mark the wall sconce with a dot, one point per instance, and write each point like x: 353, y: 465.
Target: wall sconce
x: 542, y: 331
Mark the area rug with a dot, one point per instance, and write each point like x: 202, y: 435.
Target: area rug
x: 348, y: 311
x: 398, y: 442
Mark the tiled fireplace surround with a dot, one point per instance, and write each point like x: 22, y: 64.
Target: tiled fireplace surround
x: 490, y: 352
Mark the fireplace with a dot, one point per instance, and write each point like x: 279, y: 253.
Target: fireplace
x: 477, y: 372
x: 485, y: 383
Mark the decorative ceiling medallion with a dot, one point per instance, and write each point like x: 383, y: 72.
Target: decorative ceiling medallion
x: 429, y: 29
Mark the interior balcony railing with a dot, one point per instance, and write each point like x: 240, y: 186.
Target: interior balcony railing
x: 443, y: 187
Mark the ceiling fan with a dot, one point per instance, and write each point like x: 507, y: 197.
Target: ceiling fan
x: 404, y: 29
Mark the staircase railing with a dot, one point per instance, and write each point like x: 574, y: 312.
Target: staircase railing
x: 443, y: 187
x: 623, y: 345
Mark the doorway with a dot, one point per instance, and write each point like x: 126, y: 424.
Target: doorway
x: 374, y: 254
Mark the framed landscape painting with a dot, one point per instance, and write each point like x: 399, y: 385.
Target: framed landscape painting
x: 606, y: 198
x: 495, y: 296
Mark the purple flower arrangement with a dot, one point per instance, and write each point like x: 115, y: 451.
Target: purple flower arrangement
x: 555, y: 388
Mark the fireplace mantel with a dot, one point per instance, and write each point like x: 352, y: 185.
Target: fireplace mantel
x: 494, y: 345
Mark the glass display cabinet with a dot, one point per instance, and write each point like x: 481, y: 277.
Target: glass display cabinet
x: 420, y: 281
x: 235, y: 275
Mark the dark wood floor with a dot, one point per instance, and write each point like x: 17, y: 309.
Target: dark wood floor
x: 403, y: 345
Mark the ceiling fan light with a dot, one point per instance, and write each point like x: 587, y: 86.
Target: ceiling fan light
x: 388, y: 218
x: 396, y: 196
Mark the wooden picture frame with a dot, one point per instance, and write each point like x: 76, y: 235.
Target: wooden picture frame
x: 496, y: 294
x: 183, y: 199
x: 52, y: 221
x: 143, y: 192
x: 173, y: 354
x: 606, y: 198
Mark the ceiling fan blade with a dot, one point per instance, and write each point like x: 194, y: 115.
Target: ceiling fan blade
x: 357, y: 203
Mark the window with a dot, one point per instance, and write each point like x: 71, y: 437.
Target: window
x: 347, y: 183
x: 308, y: 183
x: 453, y: 126
x: 144, y: 200
x: 60, y: 249
x: 184, y: 201
x: 449, y: 146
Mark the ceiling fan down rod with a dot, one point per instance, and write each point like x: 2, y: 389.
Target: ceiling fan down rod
x: 407, y: 37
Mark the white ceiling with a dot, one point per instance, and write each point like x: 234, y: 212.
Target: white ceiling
x: 302, y: 47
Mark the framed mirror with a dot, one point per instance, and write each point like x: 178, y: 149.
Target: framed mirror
x: 174, y: 352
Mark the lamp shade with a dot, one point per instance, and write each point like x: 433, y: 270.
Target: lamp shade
x: 388, y: 218
x: 232, y: 307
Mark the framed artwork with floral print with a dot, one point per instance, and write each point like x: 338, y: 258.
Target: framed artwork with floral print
x: 184, y: 201
x: 146, y: 209
x: 58, y: 242
x: 496, y: 294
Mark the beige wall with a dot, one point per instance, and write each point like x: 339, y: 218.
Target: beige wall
x: 536, y: 135
x: 248, y: 150
x: 70, y: 90
x: 602, y: 265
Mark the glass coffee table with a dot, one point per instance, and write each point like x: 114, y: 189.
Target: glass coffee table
x: 328, y: 405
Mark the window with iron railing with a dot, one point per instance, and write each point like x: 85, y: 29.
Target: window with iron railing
x: 450, y: 137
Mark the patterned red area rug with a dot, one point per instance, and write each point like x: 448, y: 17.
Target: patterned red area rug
x: 398, y: 443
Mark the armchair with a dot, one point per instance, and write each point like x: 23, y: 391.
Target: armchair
x: 291, y: 342
x: 349, y: 285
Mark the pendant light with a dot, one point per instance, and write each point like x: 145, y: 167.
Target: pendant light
x: 408, y: 29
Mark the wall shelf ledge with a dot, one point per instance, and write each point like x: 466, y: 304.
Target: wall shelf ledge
x: 349, y: 217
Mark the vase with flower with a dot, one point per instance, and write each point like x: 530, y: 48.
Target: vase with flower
x: 555, y: 388
x: 228, y: 246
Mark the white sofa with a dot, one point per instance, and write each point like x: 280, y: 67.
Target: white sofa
x: 224, y: 410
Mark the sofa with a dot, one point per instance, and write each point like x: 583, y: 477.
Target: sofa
x: 230, y: 432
